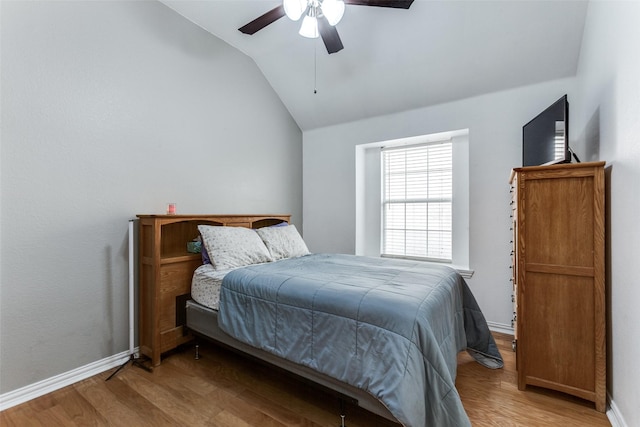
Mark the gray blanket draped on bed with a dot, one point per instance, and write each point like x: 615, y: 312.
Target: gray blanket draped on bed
x: 390, y: 327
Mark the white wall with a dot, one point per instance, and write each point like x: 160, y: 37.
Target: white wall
x: 495, y: 134
x: 111, y: 109
x: 607, y: 119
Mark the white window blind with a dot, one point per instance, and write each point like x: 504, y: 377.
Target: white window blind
x: 417, y: 201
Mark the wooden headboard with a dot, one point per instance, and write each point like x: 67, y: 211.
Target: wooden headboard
x: 166, y: 269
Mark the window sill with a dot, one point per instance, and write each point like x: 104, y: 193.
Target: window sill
x: 467, y: 274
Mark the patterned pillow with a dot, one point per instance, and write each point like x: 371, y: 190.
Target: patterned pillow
x: 232, y: 247
x: 283, y: 242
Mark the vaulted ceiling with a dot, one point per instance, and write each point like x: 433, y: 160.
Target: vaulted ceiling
x: 396, y: 60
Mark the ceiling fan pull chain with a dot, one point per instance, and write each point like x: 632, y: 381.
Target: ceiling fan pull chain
x: 315, y: 67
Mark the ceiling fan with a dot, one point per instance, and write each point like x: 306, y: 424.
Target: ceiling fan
x: 319, y: 17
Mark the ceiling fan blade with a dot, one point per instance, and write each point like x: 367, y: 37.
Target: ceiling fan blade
x: 398, y: 4
x: 263, y: 20
x: 329, y: 36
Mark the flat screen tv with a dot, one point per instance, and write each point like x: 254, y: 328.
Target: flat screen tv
x: 545, y: 139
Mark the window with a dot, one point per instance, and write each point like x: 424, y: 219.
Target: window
x: 417, y: 188
x: 370, y: 191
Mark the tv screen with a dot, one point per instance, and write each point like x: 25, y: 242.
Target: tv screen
x: 545, y: 139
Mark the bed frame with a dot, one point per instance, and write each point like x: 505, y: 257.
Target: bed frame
x: 203, y: 321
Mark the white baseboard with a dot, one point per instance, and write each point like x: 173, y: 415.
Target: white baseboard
x: 24, y: 394
x: 500, y: 327
x: 613, y: 413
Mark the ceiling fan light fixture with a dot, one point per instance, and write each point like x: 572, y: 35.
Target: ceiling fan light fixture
x: 309, y: 27
x: 333, y: 10
x: 294, y: 8
x: 320, y: 17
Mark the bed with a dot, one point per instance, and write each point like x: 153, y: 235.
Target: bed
x: 383, y: 333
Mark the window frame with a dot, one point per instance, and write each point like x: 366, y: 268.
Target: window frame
x: 368, y: 181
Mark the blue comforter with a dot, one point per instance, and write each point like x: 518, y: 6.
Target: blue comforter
x: 390, y: 327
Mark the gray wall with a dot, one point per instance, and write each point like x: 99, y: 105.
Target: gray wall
x: 111, y: 109
x: 495, y: 137
x: 606, y: 114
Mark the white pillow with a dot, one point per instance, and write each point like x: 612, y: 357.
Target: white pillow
x: 283, y: 242
x: 232, y: 247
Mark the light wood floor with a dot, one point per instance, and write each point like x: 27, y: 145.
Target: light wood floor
x: 222, y: 389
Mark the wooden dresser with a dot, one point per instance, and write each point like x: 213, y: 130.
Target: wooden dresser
x: 559, y: 278
x: 165, y: 273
